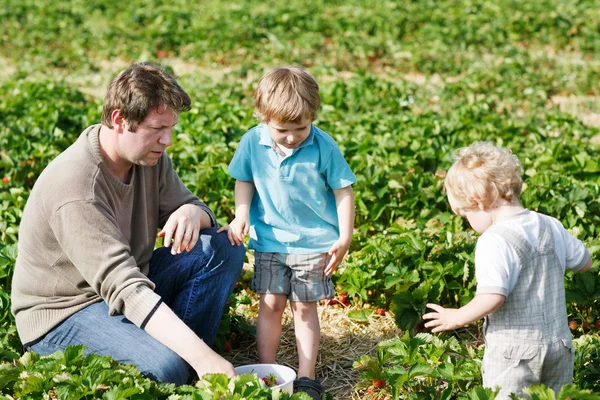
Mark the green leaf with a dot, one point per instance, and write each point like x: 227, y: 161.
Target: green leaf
x: 420, y: 369
x: 360, y: 315
x: 8, y: 374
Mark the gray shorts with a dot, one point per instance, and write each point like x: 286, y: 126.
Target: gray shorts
x: 299, y: 276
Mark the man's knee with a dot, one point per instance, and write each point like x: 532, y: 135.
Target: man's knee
x: 166, y: 366
x: 219, y: 244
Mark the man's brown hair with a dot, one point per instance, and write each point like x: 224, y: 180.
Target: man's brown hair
x: 139, y: 89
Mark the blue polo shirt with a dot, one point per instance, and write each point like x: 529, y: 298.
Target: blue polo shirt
x: 293, y: 210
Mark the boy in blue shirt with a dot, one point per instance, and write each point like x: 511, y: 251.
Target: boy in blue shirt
x: 293, y: 195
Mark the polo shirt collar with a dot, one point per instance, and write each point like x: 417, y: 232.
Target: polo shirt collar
x: 266, y: 140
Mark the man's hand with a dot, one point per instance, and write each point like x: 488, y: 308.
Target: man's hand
x: 214, y: 364
x: 183, y: 227
x: 337, y: 252
x: 236, y: 230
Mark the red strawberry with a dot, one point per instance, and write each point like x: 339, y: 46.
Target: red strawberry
x: 270, y: 380
x: 227, y: 346
x: 5, y: 180
x: 573, y: 325
x: 379, y: 383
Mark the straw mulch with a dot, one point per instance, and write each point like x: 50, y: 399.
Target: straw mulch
x: 343, y: 341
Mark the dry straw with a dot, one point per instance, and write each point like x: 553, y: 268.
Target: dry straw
x: 343, y: 341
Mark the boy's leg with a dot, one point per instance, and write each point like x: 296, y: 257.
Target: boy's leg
x: 272, y: 280
x: 307, y: 330
x: 268, y: 326
x: 309, y: 284
x: 117, y: 337
x: 197, y: 284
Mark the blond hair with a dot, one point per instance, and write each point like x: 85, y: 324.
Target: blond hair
x: 287, y: 94
x: 139, y: 89
x: 483, y: 174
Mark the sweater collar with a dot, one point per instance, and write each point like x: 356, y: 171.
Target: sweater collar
x: 93, y: 133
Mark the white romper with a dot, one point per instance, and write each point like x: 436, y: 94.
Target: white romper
x: 528, y: 339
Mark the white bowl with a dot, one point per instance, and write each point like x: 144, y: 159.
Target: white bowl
x: 285, y: 375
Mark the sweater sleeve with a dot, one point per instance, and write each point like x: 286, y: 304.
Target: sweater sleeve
x: 91, y: 239
x: 173, y: 194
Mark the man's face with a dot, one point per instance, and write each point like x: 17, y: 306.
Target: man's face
x: 147, y: 144
x: 289, y: 135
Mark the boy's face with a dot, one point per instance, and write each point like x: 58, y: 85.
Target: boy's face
x: 480, y: 220
x: 289, y: 135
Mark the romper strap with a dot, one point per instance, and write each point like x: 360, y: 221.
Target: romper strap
x: 546, y: 237
x: 517, y: 241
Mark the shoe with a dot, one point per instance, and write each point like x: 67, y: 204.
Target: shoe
x: 312, y: 387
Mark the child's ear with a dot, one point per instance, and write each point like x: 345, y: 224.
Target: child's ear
x: 480, y: 204
x: 477, y: 203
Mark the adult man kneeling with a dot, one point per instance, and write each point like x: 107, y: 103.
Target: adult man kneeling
x: 87, y: 272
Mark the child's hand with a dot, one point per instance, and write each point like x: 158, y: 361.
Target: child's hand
x: 236, y: 230
x: 337, y: 252
x: 444, y: 319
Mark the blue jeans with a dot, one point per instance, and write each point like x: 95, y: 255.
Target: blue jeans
x: 195, y: 285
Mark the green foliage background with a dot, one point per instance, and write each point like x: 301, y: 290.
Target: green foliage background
x: 403, y: 84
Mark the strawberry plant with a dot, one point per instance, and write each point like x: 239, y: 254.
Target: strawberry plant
x: 420, y: 364
x: 75, y: 376
x: 587, y: 362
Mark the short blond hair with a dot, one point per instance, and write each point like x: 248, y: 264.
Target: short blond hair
x: 484, y: 173
x: 287, y: 94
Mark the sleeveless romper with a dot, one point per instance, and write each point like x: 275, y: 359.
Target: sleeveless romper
x: 528, y: 339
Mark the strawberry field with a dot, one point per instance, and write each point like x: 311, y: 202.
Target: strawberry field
x: 403, y: 84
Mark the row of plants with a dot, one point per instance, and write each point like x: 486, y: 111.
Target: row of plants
x: 430, y: 36
x: 73, y: 375
x: 412, y: 367
x: 424, y: 366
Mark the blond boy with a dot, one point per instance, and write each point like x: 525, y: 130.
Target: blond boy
x: 520, y: 261
x: 293, y: 195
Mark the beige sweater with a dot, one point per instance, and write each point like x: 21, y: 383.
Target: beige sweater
x: 86, y: 237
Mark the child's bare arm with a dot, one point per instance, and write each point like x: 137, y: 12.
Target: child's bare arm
x: 446, y: 319
x: 240, y: 226
x: 344, y: 199
x: 587, y: 265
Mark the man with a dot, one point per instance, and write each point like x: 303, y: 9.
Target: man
x: 87, y: 272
